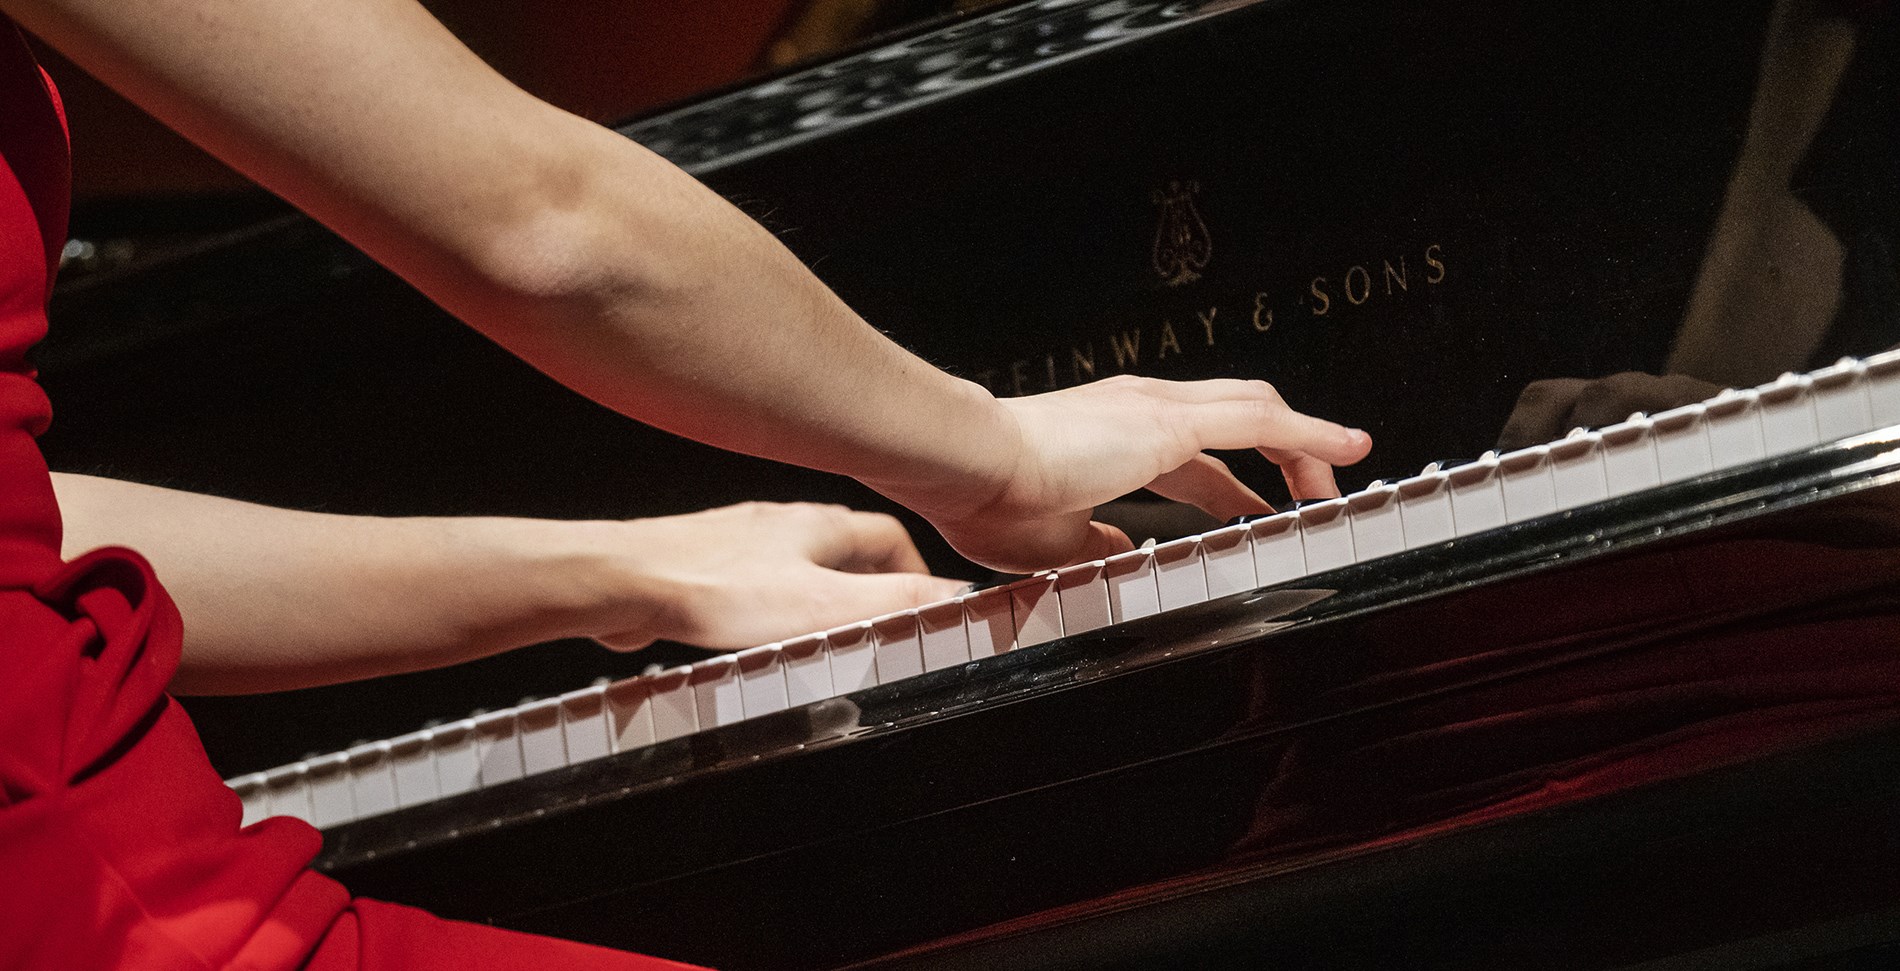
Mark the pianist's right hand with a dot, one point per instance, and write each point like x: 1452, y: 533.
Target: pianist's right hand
x: 1071, y: 450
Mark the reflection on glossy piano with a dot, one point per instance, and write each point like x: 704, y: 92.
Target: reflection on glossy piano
x: 1617, y: 698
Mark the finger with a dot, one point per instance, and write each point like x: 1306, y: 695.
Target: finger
x: 624, y: 643
x: 1207, y: 483
x: 1103, y: 542
x: 1206, y: 390
x: 1306, y: 477
x: 859, y: 542
x: 1025, y: 547
x: 1263, y: 423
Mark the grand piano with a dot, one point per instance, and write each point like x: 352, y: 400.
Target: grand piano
x: 1649, y: 726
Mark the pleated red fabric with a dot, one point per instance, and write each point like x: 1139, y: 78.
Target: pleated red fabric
x: 119, y: 845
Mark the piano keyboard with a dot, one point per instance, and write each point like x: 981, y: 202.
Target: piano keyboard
x: 1731, y: 429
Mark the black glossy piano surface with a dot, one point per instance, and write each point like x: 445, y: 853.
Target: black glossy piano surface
x: 1387, y: 765
x: 1400, y: 214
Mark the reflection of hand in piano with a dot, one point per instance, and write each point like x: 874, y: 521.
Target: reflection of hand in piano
x: 1546, y: 410
x: 1084, y: 446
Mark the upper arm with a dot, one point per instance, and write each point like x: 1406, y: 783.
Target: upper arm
x: 368, y: 114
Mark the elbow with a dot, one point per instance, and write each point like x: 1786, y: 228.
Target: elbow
x: 574, y: 239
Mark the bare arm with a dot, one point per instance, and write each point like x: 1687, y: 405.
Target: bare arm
x: 619, y: 275
x: 275, y: 599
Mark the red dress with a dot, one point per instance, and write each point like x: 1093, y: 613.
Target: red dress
x: 119, y: 845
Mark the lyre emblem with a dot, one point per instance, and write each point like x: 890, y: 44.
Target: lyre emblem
x: 1182, y: 244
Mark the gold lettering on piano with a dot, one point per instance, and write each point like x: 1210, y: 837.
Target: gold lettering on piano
x: 1395, y: 276
x: 1365, y: 286
x: 1168, y: 340
x: 1082, y: 361
x: 1322, y: 303
x: 1262, y: 313
x: 1363, y: 290
x: 1018, y: 378
x: 1127, y: 348
x: 1182, y: 243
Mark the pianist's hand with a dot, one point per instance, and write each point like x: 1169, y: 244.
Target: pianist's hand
x: 750, y: 574
x: 1083, y: 446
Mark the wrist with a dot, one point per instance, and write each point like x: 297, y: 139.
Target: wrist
x: 526, y: 581
x: 973, y: 458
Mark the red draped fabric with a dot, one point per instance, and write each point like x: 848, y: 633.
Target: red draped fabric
x: 119, y: 846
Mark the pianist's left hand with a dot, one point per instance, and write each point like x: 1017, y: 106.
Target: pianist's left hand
x: 274, y: 599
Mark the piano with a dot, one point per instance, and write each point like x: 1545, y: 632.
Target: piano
x: 1611, y: 698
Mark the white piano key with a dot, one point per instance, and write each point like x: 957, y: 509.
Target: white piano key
x: 1883, y: 387
x: 584, y: 724
x: 1130, y: 578
x: 1425, y: 508
x: 1629, y: 456
x: 988, y: 623
x: 289, y: 791
x: 1180, y: 575
x: 1082, y: 591
x: 762, y: 680
x: 1228, y: 556
x: 1841, y: 406
x: 1477, y: 498
x: 808, y: 669
x: 716, y: 691
x: 251, y: 792
x: 942, y: 640
x: 629, y: 704
x: 1326, y: 533
x: 458, y: 766
x: 853, y: 651
x: 1733, y: 420
x: 898, y: 652
x: 1524, y: 476
x: 1576, y: 469
x: 412, y: 763
x: 372, y: 786
x: 675, y: 706
x: 331, y: 803
x: 498, y: 746
x: 1037, y: 610
x: 542, y: 748
x: 1378, y: 528
x: 1787, y: 415
x: 1279, y: 554
x: 1682, y: 443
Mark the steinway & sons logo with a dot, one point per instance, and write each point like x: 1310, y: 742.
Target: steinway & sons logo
x: 1170, y: 335
x: 1182, y: 244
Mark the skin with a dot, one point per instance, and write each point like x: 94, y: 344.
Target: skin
x: 622, y: 277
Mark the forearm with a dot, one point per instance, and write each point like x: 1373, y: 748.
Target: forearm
x: 729, y: 339
x: 276, y: 599
x: 592, y: 258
